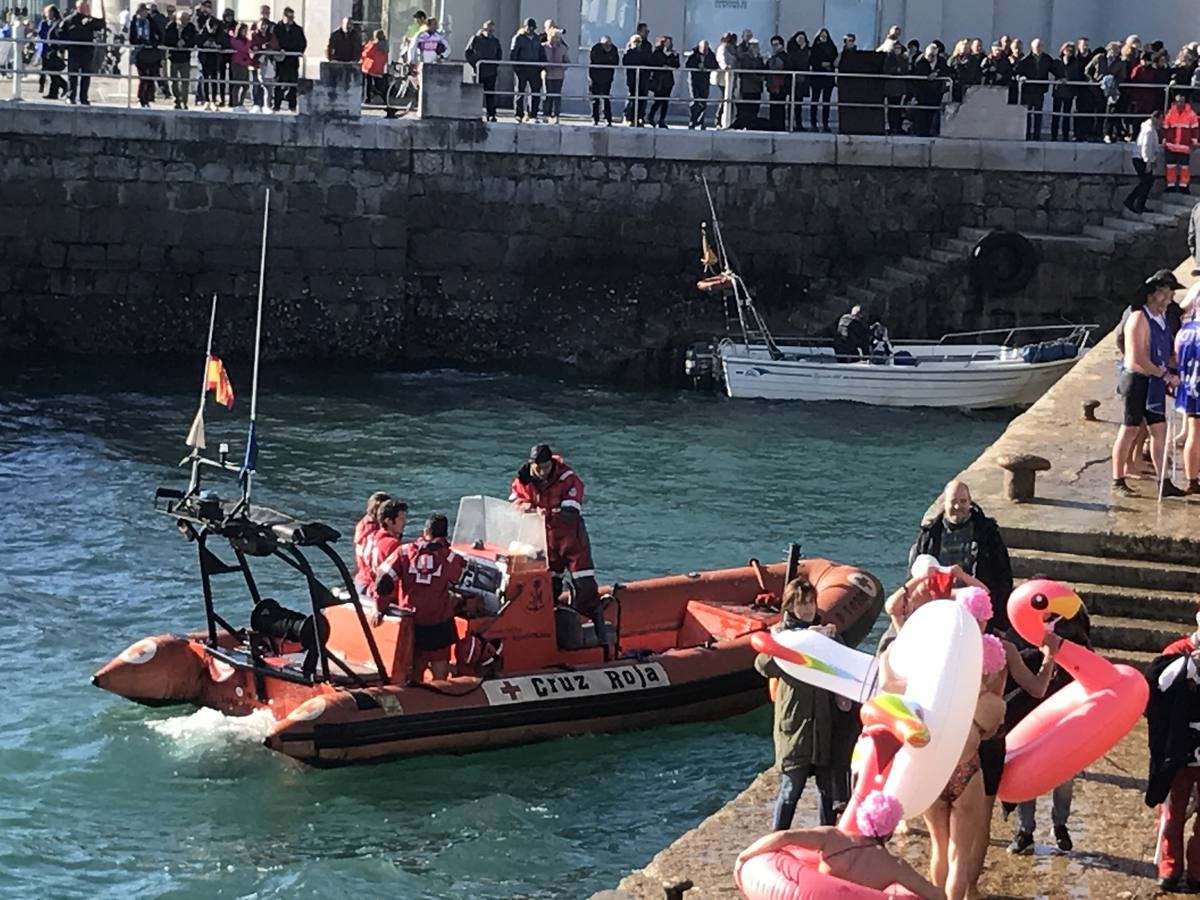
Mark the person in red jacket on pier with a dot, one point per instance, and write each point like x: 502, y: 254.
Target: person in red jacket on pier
x: 422, y: 573
x: 1181, y: 133
x: 547, y: 483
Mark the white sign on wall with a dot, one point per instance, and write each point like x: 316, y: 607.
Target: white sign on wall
x: 709, y: 19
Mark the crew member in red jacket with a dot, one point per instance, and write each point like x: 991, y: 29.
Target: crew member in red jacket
x: 363, y: 530
x: 547, y: 483
x: 382, y: 544
x: 424, y: 571
x: 1181, y: 133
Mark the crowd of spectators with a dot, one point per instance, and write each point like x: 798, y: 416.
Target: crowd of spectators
x: 182, y: 55
x: 1095, y: 93
x: 1086, y: 92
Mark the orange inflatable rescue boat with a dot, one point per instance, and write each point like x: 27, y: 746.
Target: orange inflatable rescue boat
x: 337, y: 678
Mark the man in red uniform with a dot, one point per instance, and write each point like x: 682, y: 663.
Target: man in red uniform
x: 381, y: 544
x: 1181, y: 132
x: 547, y: 483
x: 363, y: 530
x: 424, y: 571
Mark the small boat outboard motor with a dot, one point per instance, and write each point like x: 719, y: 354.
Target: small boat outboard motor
x: 700, y: 365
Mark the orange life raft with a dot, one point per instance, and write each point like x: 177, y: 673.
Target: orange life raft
x: 678, y: 650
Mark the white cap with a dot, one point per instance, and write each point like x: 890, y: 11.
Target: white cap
x: 1190, y: 299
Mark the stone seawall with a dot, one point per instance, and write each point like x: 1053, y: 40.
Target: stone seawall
x: 417, y: 243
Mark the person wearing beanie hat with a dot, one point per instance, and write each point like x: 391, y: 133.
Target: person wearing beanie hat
x: 544, y: 482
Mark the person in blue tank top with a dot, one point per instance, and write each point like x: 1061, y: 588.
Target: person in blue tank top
x: 1148, y: 354
x: 1187, y: 394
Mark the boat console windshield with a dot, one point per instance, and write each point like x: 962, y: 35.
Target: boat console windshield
x: 491, y: 533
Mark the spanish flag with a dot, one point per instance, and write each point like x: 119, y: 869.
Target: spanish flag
x: 218, y: 381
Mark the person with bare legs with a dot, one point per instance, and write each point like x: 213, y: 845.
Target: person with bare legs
x: 1144, y: 379
x: 1187, y: 394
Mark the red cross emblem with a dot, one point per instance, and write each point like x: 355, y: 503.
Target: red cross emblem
x: 510, y: 689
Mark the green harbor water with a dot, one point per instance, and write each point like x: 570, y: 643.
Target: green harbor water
x: 101, y: 798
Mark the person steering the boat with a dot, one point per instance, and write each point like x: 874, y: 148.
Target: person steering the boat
x: 422, y: 573
x: 547, y: 483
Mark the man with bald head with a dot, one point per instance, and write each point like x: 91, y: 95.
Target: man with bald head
x: 961, y: 534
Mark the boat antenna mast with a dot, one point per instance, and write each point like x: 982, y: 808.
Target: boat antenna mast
x: 250, y: 460
x: 755, y: 330
x: 195, y: 438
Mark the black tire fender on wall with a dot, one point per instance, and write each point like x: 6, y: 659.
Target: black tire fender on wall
x: 1003, y: 262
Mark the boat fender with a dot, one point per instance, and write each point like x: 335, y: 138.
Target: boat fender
x: 1003, y: 262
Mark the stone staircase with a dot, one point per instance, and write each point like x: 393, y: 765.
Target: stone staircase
x: 1137, y: 606
x: 891, y: 284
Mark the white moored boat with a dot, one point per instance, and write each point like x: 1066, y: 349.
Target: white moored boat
x: 969, y: 370
x: 945, y: 373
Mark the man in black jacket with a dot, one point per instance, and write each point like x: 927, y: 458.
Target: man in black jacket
x: 637, y: 78
x: 701, y: 63
x: 180, y: 40
x: 483, y: 51
x: 79, y: 31
x: 852, y: 338
x: 604, y: 57
x: 345, y: 44
x: 1038, y: 66
x: 526, y: 50
x: 961, y: 534
x: 287, y: 72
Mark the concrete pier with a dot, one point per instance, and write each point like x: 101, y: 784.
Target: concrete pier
x: 1135, y: 562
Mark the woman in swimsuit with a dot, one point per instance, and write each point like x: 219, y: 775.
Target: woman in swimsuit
x: 919, y: 590
x: 959, y: 821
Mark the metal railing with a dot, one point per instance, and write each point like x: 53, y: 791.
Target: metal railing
x: 783, y: 92
x: 721, y: 98
x: 100, y: 69
x: 1116, y: 113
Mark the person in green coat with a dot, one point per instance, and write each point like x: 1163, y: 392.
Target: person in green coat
x: 814, y: 729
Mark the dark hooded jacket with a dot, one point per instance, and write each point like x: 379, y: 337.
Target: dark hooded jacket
x: 1174, y: 718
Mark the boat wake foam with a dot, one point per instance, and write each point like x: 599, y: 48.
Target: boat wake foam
x: 209, y: 729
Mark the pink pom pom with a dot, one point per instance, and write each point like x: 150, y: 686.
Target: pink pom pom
x: 975, y: 601
x: 993, y: 654
x: 878, y: 815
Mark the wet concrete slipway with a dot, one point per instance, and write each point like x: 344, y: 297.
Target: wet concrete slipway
x: 1134, y: 562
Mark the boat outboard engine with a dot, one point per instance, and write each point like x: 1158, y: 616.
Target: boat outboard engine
x: 278, y: 624
x: 700, y: 365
